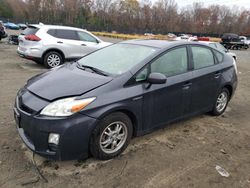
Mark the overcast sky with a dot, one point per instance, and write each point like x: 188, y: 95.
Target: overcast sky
x: 231, y: 3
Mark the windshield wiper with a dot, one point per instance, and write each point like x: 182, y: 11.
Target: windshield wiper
x: 95, y: 70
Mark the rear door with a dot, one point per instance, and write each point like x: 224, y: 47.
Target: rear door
x: 67, y: 41
x: 206, y: 78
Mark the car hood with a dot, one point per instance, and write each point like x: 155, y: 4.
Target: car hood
x: 65, y: 81
x: 104, y: 44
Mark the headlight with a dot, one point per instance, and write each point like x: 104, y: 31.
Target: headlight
x: 66, y: 107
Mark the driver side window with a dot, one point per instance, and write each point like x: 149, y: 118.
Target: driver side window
x: 171, y: 63
x: 86, y: 37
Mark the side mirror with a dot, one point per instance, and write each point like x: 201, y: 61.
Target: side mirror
x: 157, y: 78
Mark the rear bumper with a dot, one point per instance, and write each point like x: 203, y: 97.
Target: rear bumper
x: 74, y: 134
x: 29, y: 56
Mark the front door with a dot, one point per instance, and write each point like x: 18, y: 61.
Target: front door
x: 167, y: 102
x: 87, y: 43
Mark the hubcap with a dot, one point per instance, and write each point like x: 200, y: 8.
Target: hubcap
x: 113, y: 137
x: 53, y: 60
x: 221, y: 101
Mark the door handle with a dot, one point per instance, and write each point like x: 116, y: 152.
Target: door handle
x: 59, y: 42
x: 186, y: 85
x: 83, y: 45
x: 217, y: 74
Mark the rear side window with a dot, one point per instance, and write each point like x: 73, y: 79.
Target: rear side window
x: 172, y: 63
x: 213, y: 45
x: 52, y: 32
x: 219, y: 56
x: 30, y: 31
x: 63, y: 34
x: 202, y: 57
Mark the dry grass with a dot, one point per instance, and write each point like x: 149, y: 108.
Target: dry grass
x: 129, y: 36
x: 213, y: 39
x: 137, y: 36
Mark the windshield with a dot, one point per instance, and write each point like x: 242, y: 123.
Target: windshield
x: 118, y: 58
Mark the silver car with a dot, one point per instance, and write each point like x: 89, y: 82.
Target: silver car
x: 53, y: 45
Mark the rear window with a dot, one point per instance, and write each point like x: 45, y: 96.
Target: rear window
x: 30, y: 31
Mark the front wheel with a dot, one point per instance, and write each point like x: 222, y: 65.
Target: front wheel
x: 52, y: 59
x: 111, y: 136
x: 221, y: 102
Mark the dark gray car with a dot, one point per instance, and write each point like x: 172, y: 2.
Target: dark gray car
x: 96, y: 105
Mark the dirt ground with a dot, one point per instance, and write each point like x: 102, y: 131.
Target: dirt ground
x: 183, y: 154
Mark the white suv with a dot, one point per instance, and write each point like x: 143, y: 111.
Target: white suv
x: 52, y: 45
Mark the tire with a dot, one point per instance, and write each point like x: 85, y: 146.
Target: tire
x: 224, y: 97
x: 104, y: 138
x: 52, y: 59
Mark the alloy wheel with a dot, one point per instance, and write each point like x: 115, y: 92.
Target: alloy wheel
x: 222, y: 101
x: 113, y: 137
x: 53, y: 60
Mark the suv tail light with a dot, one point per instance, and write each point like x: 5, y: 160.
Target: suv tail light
x: 32, y: 38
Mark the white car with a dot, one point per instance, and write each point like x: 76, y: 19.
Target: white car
x: 52, y: 45
x: 220, y: 47
x: 245, y: 40
x: 186, y: 37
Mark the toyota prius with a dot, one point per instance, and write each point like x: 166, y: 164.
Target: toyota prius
x: 93, y: 107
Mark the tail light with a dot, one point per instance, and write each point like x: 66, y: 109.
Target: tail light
x: 32, y: 38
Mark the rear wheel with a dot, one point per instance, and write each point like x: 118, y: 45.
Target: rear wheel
x: 52, y: 59
x: 221, y: 102
x: 111, y: 136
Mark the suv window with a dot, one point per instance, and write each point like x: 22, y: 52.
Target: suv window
x: 52, y: 32
x: 63, y: 34
x: 202, y: 57
x: 30, y: 31
x: 172, y: 63
x: 86, y: 37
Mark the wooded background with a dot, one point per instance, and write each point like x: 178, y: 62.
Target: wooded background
x: 130, y: 16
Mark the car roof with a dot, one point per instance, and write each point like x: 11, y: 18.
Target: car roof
x: 162, y: 44
x: 207, y: 42
x: 54, y: 27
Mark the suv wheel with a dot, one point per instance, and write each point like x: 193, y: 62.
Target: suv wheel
x: 52, y: 59
x: 221, y: 102
x: 111, y: 136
